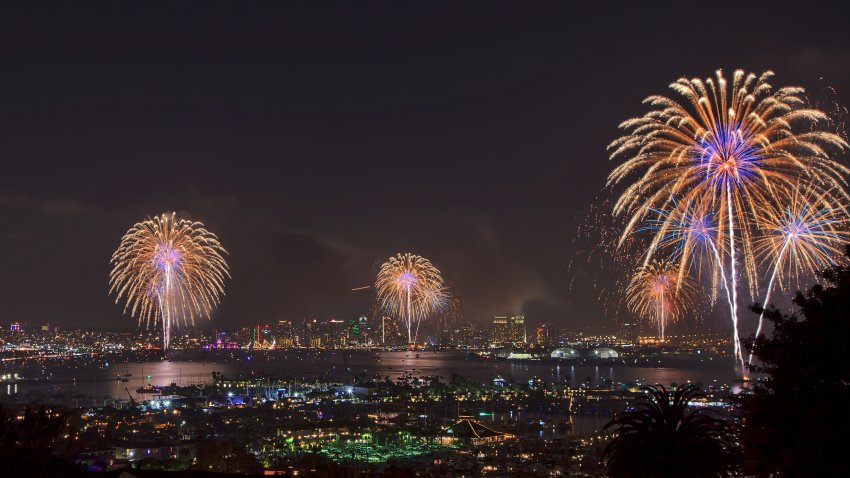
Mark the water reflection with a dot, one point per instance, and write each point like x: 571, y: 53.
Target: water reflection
x: 343, y: 366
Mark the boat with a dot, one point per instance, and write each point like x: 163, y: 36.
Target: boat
x: 149, y: 389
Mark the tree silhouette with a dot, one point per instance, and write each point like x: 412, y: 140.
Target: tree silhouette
x: 34, y: 445
x: 225, y: 457
x: 794, y: 421
x: 662, y: 438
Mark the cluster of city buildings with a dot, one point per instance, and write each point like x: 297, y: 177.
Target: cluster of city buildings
x: 426, y: 425
x: 507, y: 336
x: 429, y: 426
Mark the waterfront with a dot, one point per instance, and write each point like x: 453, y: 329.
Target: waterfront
x: 101, y: 381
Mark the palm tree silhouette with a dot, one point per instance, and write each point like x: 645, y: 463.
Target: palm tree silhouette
x: 663, y: 438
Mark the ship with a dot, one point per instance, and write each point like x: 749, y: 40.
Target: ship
x: 149, y: 389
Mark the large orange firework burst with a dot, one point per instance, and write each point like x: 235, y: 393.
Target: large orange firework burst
x: 410, y: 288
x: 725, y: 150
x: 168, y: 270
x: 657, y: 293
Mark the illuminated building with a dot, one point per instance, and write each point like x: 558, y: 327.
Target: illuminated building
x: 311, y: 333
x: 470, y: 336
x: 391, y: 332
x: 335, y: 333
x: 508, y: 330
x: 263, y: 345
x: 470, y: 432
x: 604, y: 353
x: 359, y: 331
x: 545, y: 335
x: 326, y: 333
x: 365, y: 329
x: 285, y: 334
x: 564, y: 353
x: 628, y: 332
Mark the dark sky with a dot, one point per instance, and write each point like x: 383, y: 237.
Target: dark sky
x: 318, y: 140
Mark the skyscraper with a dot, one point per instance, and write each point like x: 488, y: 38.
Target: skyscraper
x: 508, y: 330
x: 285, y: 334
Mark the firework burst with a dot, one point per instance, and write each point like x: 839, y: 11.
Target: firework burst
x: 800, y: 237
x: 657, y: 293
x: 725, y: 151
x: 687, y: 234
x: 728, y: 151
x: 169, y: 271
x: 409, y: 287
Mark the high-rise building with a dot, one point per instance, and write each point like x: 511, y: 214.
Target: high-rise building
x: 445, y: 337
x: 470, y: 336
x: 262, y: 338
x: 335, y: 333
x: 542, y: 335
x: 285, y: 334
x: 326, y: 333
x: 364, y: 331
x: 389, y: 332
x: 312, y: 334
x: 508, y: 330
x: 628, y: 331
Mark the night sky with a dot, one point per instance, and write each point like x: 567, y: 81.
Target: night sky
x: 316, y: 141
